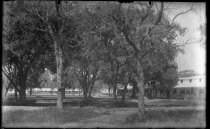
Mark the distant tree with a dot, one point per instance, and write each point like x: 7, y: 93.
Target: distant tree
x: 167, y: 77
x: 33, y: 78
x: 47, y: 80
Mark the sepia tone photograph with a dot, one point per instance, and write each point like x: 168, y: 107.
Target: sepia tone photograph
x: 103, y: 64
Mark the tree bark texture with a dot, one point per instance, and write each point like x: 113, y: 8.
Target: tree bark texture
x: 141, y: 110
x: 124, y: 93
x: 59, y: 78
x: 30, y: 90
x: 109, y: 90
x: 140, y: 85
x: 114, y: 93
x: 134, y: 90
x: 90, y: 91
x: 22, y: 84
x: 16, y: 96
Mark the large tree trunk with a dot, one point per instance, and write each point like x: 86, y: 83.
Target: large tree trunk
x: 22, y: 94
x: 90, y: 91
x: 140, y: 85
x: 124, y: 93
x: 58, y: 53
x: 85, y: 93
x: 22, y: 84
x: 141, y: 110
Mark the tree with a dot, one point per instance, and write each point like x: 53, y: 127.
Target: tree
x: 56, y: 21
x: 23, y: 44
x: 167, y: 77
x: 33, y: 77
x: 47, y: 79
x: 148, y: 32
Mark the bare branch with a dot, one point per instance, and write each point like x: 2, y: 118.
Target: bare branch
x: 191, y: 8
x: 186, y: 43
x: 146, y: 15
x: 10, y: 79
x: 160, y: 13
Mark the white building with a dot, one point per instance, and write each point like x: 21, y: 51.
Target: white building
x: 190, y: 87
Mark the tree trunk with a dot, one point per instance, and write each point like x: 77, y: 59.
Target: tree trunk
x: 140, y: 85
x: 114, y: 93
x: 22, y: 84
x: 60, y: 98
x: 134, y: 90
x: 124, y: 93
x: 63, y: 93
x: 168, y: 94
x: 6, y: 91
x: 59, y: 63
x: 30, y: 90
x: 109, y: 90
x: 141, y: 110
x: 58, y: 54
x: 22, y: 94
x: 85, y: 94
x: 16, y: 96
x: 90, y: 91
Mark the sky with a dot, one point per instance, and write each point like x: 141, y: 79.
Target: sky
x: 195, y: 54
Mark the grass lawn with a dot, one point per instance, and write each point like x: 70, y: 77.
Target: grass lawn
x: 103, y: 112
x: 102, y: 117
x: 49, y: 115
x: 175, y: 118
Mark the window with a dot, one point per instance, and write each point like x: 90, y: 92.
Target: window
x: 190, y: 80
x: 181, y: 81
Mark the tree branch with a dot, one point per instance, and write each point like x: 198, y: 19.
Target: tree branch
x: 160, y: 13
x: 10, y: 79
x: 191, y: 8
x: 146, y: 15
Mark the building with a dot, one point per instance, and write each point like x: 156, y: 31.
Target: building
x: 190, y: 88
x: 187, y: 88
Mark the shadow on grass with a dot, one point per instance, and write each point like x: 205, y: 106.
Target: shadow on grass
x: 68, y: 101
x: 46, y: 100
